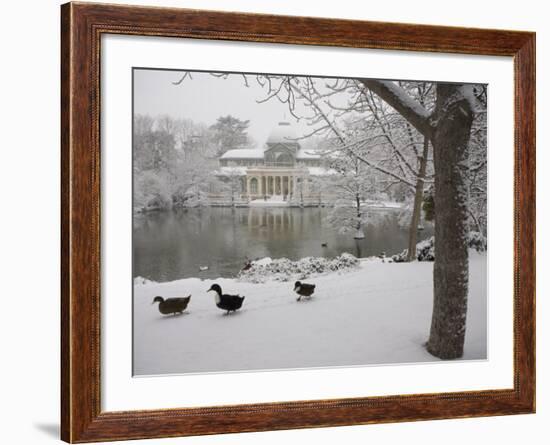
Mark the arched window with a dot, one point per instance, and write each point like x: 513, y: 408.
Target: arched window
x: 254, y: 186
x: 285, y: 159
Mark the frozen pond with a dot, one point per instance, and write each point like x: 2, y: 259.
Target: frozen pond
x: 173, y: 245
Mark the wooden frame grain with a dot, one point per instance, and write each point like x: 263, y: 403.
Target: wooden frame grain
x: 82, y: 25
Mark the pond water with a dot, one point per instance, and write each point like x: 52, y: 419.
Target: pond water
x: 173, y: 245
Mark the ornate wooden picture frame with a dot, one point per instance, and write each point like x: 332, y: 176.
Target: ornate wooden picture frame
x: 82, y: 26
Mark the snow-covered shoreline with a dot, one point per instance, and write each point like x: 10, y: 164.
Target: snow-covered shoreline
x: 378, y: 313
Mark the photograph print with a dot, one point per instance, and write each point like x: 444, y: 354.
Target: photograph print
x: 287, y: 221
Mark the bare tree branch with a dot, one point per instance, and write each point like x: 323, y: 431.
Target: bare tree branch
x: 399, y: 99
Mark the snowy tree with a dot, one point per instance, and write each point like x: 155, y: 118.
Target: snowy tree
x: 351, y: 187
x: 232, y: 181
x: 173, y: 163
x: 152, y: 191
x: 155, y: 150
x: 448, y: 127
x: 477, y: 174
x: 403, y: 143
x: 230, y: 133
x: 194, y: 176
x: 350, y: 184
x: 154, y: 156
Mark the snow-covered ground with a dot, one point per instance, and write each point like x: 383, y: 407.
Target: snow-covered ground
x: 377, y: 314
x: 383, y: 204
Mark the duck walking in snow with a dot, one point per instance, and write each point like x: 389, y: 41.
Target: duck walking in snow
x: 303, y: 290
x: 229, y: 303
x: 172, y: 305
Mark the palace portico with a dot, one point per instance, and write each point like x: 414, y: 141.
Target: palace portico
x: 262, y: 182
x: 282, y: 170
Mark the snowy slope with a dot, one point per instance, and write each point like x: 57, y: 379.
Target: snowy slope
x: 375, y: 315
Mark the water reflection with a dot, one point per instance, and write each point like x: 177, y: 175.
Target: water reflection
x: 173, y: 245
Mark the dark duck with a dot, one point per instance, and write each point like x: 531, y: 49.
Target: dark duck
x: 172, y: 305
x: 229, y: 303
x: 303, y: 290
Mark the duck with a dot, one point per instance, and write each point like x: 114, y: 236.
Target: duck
x: 324, y: 244
x: 203, y: 268
x: 382, y: 256
x: 303, y: 290
x: 172, y: 305
x: 229, y: 303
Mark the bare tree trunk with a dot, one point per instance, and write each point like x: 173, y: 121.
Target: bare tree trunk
x: 359, y: 234
x: 450, y: 141
x: 419, y: 192
x: 358, y: 208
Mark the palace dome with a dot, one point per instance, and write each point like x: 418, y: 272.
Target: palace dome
x: 283, y: 133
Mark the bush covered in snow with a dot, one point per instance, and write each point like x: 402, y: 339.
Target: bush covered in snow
x: 284, y: 269
x: 141, y: 281
x: 424, y: 252
x: 477, y: 241
x: 425, y: 248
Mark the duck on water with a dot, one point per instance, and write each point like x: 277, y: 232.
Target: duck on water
x: 229, y: 303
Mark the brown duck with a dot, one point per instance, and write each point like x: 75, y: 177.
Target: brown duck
x: 172, y: 305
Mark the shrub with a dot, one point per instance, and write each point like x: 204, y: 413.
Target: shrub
x: 284, y: 269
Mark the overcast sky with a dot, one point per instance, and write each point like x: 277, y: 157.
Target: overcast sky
x: 204, y: 98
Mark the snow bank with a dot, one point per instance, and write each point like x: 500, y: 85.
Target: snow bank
x: 141, y: 281
x: 424, y: 252
x: 284, y: 269
x: 425, y: 248
x: 383, y: 204
x: 263, y: 261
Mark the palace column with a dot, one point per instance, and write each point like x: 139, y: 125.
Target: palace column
x: 288, y: 185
